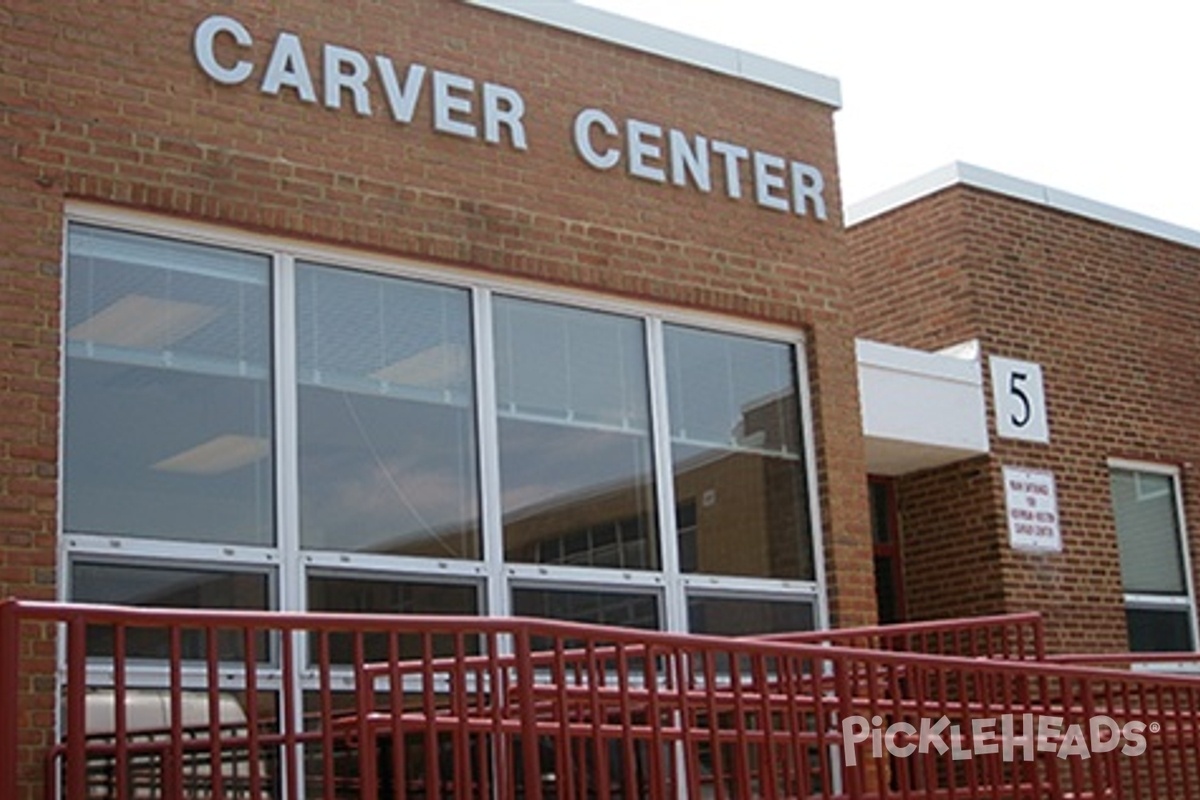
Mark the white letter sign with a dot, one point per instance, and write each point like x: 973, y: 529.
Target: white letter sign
x: 1020, y: 400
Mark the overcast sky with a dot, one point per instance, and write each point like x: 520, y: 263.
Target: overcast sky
x: 1098, y: 98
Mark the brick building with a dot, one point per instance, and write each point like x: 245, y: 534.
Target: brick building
x: 1101, y: 302
x: 521, y: 308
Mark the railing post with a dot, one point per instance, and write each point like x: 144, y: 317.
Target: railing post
x: 10, y: 661
x: 845, y: 702
x: 525, y: 697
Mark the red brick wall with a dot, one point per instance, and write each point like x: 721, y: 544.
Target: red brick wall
x: 105, y: 103
x: 1112, y: 316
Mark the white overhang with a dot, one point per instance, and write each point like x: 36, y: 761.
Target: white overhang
x: 637, y: 35
x: 920, y: 410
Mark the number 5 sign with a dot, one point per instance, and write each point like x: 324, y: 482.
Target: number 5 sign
x: 1020, y: 400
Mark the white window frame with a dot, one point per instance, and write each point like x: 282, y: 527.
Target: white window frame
x: 1156, y: 602
x: 291, y: 563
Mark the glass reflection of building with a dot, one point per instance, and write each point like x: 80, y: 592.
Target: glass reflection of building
x: 249, y: 429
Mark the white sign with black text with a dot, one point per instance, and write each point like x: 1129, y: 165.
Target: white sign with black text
x: 1032, y: 510
x: 1020, y: 400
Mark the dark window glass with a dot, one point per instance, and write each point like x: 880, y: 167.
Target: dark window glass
x: 742, y: 617
x: 576, y: 471
x: 385, y: 596
x: 737, y: 455
x: 387, y: 416
x: 168, y: 395
x: 1158, y: 631
x: 881, y: 513
x: 885, y: 590
x: 622, y: 609
x: 169, y: 587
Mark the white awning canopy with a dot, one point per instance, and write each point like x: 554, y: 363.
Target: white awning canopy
x: 920, y: 410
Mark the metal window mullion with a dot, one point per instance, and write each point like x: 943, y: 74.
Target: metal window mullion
x: 584, y: 577
x: 816, y: 526
x: 1165, y: 602
x: 487, y: 421
x: 674, y: 599
x: 291, y: 594
x: 287, y: 505
x: 1186, y: 557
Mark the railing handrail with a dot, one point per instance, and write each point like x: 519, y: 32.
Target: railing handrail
x: 305, y: 621
x: 908, y: 628
x: 1130, y: 657
x: 661, y: 680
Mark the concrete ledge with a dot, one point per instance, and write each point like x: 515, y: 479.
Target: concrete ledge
x: 647, y: 38
x: 960, y: 174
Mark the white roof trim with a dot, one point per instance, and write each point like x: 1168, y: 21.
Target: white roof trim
x: 959, y: 173
x: 626, y: 32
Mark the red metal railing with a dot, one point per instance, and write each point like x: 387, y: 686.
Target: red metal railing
x: 332, y: 706
x: 1014, y: 637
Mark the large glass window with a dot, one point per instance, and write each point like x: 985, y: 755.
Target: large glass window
x: 168, y: 398
x: 281, y: 433
x: 387, y: 451
x: 1153, y: 562
x: 740, y: 485
x: 576, y: 471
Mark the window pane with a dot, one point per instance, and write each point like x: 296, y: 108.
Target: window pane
x: 382, y: 596
x: 387, y: 420
x: 1158, y: 631
x: 169, y: 587
x: 742, y: 617
x: 168, y: 398
x: 881, y: 512
x: 1147, y: 532
x: 620, y: 609
x: 740, y: 485
x: 886, y: 599
x: 365, y: 596
x: 575, y: 460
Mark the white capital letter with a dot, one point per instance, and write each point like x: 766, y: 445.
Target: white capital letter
x: 807, y: 185
x: 445, y: 104
x: 202, y: 45
x: 503, y: 106
x: 687, y: 159
x: 584, y: 122
x: 403, y: 102
x: 355, y: 80
x: 733, y: 155
x: 643, y: 143
x: 288, y: 68
x: 768, y: 178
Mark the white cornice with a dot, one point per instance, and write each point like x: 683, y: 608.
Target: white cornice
x: 960, y: 174
x: 673, y: 45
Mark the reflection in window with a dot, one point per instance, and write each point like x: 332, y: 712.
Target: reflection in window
x: 387, y: 428
x: 575, y: 458
x: 169, y: 587
x: 361, y: 595
x: 621, y: 609
x: 726, y: 616
x: 1157, y: 601
x: 168, y: 399
x: 740, y: 486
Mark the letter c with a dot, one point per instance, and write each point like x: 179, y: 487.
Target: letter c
x: 202, y: 44
x: 584, y: 122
